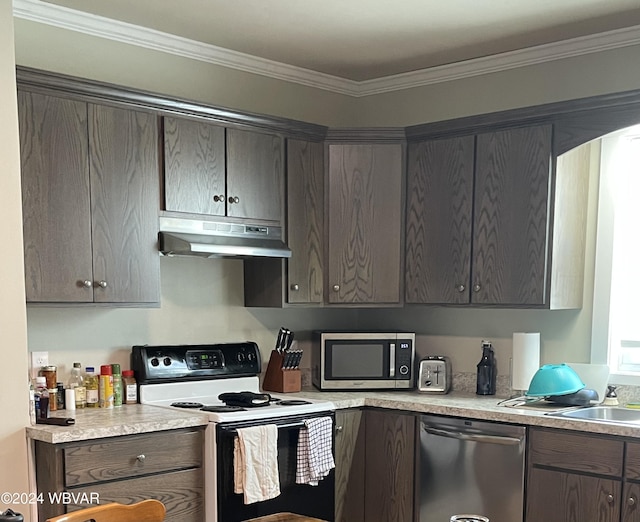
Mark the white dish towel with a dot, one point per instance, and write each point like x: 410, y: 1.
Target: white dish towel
x: 255, y: 463
x: 315, y: 457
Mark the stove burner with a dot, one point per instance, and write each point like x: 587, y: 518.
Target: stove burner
x: 293, y: 402
x: 221, y: 408
x: 186, y: 404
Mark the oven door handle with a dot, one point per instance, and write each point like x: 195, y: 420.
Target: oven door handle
x: 231, y: 429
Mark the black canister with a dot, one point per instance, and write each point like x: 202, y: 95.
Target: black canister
x: 486, y: 378
x: 11, y: 516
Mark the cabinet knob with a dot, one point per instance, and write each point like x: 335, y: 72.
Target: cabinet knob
x: 101, y: 284
x: 461, y: 288
x: 610, y: 498
x: 141, y: 457
x: 476, y: 287
x: 87, y: 284
x: 336, y: 288
x: 295, y: 287
x: 218, y: 198
x: 631, y: 501
x: 234, y: 199
x: 338, y: 429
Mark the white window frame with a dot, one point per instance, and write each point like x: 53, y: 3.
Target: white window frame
x: 611, y: 146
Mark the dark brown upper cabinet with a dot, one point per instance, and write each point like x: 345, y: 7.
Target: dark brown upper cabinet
x: 364, y: 216
x: 298, y: 280
x: 90, y: 196
x: 493, y: 219
x: 213, y: 171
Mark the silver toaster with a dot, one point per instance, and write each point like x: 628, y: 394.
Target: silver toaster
x: 434, y: 374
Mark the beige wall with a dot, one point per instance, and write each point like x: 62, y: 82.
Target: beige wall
x: 13, y: 384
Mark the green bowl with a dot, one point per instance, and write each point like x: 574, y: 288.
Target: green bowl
x: 554, y: 379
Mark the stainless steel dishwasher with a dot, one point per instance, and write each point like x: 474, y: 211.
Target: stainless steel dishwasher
x: 471, y: 467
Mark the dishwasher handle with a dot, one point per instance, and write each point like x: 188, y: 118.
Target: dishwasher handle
x: 472, y: 437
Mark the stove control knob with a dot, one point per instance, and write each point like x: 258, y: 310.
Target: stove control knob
x: 251, y: 356
x: 241, y: 357
x: 155, y: 361
x: 167, y: 361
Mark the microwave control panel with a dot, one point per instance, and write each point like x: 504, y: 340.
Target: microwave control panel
x: 404, y: 359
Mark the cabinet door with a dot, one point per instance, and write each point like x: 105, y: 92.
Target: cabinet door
x: 556, y: 496
x: 365, y: 223
x: 254, y: 175
x: 439, y: 211
x: 350, y: 465
x: 55, y: 198
x: 390, y: 466
x: 123, y: 147
x: 631, y: 503
x: 305, y: 225
x: 194, y: 167
x: 510, y: 217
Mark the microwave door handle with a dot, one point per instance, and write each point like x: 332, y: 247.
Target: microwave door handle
x: 392, y: 360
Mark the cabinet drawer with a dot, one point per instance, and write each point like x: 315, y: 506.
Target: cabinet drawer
x: 180, y: 491
x: 576, y: 452
x: 124, y: 457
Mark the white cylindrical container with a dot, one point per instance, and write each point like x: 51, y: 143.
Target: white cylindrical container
x: 526, y: 359
x: 70, y: 399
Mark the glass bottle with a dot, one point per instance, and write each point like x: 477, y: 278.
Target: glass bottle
x: 91, y: 387
x: 41, y: 398
x: 32, y: 403
x: 130, y: 394
x: 486, y: 377
x: 76, y: 382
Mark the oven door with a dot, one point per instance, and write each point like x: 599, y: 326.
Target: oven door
x: 314, y: 501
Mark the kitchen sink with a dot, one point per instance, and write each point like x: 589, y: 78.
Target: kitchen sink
x: 602, y: 414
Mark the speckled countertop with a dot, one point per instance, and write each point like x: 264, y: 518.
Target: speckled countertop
x: 130, y: 419
x: 139, y: 418
x: 468, y: 405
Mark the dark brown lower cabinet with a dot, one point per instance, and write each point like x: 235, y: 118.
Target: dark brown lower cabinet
x: 165, y: 465
x: 582, y: 477
x: 375, y: 465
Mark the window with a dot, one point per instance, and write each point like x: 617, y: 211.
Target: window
x: 616, y: 308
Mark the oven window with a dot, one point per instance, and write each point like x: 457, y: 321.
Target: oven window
x: 357, y: 360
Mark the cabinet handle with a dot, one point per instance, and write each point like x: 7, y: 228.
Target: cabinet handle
x: 336, y: 288
x: 295, y: 287
x: 610, y: 498
x: 141, y: 458
x: 476, y: 287
x: 218, y: 198
x: 87, y: 284
x: 631, y: 501
x: 101, y: 284
x: 461, y: 288
x: 234, y: 199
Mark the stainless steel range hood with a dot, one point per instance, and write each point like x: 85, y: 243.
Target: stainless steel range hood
x: 193, y: 237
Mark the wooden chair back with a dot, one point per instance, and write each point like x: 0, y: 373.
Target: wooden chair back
x: 144, y: 511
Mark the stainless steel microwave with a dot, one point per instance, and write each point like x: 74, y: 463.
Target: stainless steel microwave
x: 363, y: 360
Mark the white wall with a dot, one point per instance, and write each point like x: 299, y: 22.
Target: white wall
x: 13, y: 384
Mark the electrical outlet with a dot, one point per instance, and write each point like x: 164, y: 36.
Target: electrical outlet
x: 39, y: 359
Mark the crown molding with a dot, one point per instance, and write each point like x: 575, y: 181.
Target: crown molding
x: 70, y: 19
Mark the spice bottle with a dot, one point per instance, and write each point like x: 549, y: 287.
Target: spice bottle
x: 486, y: 377
x: 106, y: 386
x: 76, y: 383
x: 117, y: 385
x: 130, y: 387
x: 41, y: 397
x: 91, y: 388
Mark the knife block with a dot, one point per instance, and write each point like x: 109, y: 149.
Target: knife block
x: 278, y: 379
